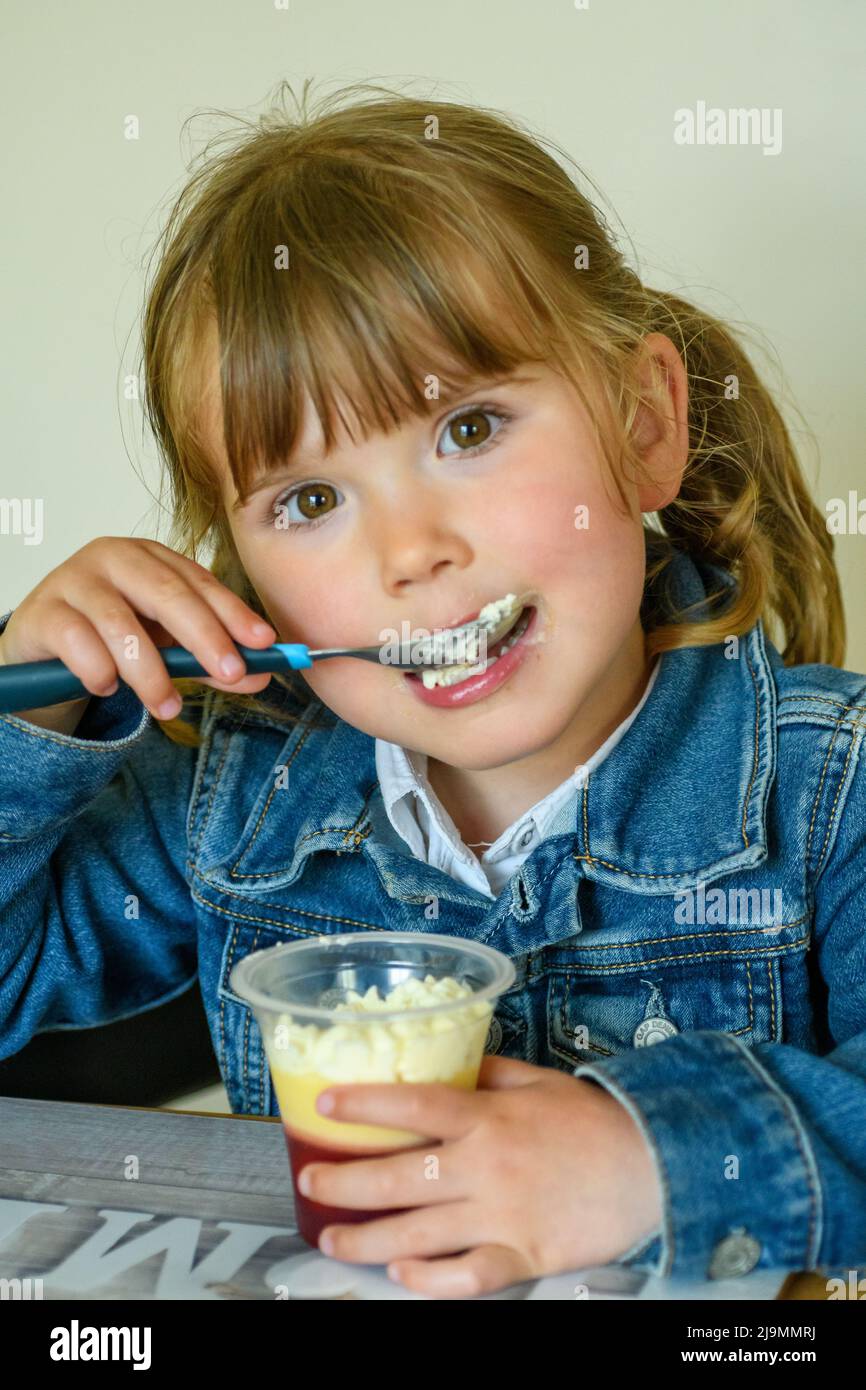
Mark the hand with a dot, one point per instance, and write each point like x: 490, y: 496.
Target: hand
x: 538, y: 1172
x: 115, y: 589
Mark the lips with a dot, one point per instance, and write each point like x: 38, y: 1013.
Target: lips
x: 459, y: 647
x: 460, y: 622
x: 470, y: 689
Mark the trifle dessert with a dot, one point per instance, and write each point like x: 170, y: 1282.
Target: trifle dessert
x: 406, y: 1023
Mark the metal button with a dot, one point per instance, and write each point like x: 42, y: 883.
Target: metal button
x: 653, y: 1030
x: 734, y: 1256
x: 494, y: 1036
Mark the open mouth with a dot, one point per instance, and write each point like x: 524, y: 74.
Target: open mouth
x: 489, y: 617
x: 462, y: 641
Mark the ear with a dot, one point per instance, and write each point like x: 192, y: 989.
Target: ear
x: 660, y: 432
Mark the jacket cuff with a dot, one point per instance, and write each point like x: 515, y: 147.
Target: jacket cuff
x: 739, y: 1181
x: 46, y: 776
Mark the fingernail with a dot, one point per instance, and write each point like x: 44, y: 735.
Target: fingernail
x: 304, y: 1183
x: 169, y: 708
x: 231, y: 666
x: 262, y: 629
x: 325, y: 1103
x: 326, y: 1243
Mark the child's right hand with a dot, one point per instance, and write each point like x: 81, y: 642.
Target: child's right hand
x: 115, y: 588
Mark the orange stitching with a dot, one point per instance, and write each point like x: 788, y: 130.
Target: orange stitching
x: 754, y: 755
x: 832, y: 815
x: 324, y: 830
x: 684, y: 936
x: 267, y: 921
x: 318, y: 916
x: 210, y: 799
x: 35, y: 731
x: 295, y: 751
x: 686, y: 955
x: 839, y: 722
x: 225, y: 1066
x: 824, y: 700
x: 772, y: 984
x: 632, y: 873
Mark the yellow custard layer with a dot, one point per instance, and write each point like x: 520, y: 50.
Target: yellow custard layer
x: 357, y: 1048
x: 297, y: 1096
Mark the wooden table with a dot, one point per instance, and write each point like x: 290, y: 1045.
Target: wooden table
x: 122, y: 1202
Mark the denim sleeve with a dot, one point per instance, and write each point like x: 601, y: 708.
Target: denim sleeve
x: 765, y: 1146
x: 95, y: 909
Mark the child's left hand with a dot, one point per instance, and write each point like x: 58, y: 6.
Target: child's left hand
x: 539, y: 1172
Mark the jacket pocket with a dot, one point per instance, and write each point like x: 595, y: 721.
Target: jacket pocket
x: 598, y: 1013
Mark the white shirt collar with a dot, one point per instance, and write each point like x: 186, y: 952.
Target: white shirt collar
x: 421, y: 820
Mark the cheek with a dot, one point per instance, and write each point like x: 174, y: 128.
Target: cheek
x: 309, y: 603
x: 324, y: 609
x: 354, y: 691
x: 303, y: 611
x: 563, y: 524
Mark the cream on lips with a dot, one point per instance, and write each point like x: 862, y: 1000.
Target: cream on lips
x: 491, y: 614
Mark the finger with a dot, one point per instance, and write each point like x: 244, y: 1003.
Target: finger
x: 409, y: 1177
x: 163, y: 595
x: 80, y: 647
x: 136, y: 658
x: 248, y: 686
x: 247, y: 626
x: 433, y: 1109
x: 501, y: 1073
x: 192, y: 614
x: 482, y: 1270
x: 441, y: 1230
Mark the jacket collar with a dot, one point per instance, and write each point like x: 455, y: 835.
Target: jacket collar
x: 679, y: 801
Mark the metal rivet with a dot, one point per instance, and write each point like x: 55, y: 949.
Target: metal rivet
x: 734, y: 1256
x: 494, y: 1036
x: 653, y: 1030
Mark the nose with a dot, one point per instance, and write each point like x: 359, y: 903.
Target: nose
x: 419, y: 545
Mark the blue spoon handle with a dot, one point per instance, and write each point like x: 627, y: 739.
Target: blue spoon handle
x: 35, y: 684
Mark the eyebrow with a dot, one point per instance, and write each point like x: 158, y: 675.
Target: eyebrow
x: 469, y: 387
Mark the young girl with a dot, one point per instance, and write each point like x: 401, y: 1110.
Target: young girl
x: 398, y: 370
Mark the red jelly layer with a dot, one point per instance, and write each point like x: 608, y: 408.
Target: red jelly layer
x: 313, y: 1217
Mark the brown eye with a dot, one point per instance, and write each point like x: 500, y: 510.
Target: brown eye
x: 311, y: 502
x: 471, y: 428
x: 471, y: 431
x: 313, y: 499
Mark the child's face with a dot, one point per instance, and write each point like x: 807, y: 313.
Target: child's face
x: 417, y: 532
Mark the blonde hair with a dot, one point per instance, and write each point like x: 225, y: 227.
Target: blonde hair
x: 430, y: 238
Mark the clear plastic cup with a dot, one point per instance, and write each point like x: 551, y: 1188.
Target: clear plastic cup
x: 295, y: 991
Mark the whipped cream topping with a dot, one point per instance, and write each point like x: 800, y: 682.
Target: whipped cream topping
x: 421, y: 1047
x: 467, y: 647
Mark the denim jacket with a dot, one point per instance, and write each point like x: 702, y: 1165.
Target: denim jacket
x: 694, y: 941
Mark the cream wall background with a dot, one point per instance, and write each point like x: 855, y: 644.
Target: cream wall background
x: 772, y: 240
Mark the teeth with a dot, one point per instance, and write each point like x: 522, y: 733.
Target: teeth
x: 449, y: 645
x: 452, y: 675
